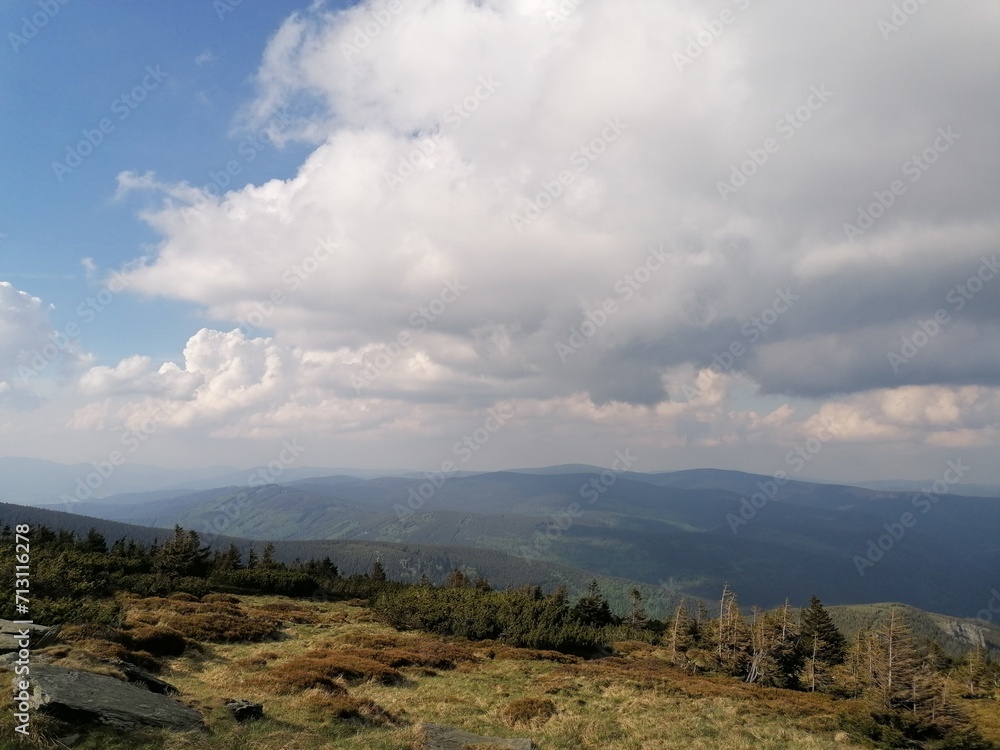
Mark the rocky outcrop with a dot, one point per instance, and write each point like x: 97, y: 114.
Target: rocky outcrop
x: 12, y: 635
x: 81, y: 698
x: 438, y: 737
x: 138, y: 676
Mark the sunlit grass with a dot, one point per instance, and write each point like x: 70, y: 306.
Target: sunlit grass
x: 634, y: 702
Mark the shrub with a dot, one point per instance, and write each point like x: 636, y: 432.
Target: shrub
x: 216, y: 622
x: 532, y: 711
x: 159, y: 641
x: 324, y: 671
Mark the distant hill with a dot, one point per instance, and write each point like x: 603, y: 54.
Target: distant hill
x: 688, y: 532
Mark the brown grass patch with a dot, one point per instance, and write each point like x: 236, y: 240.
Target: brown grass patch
x: 370, y: 640
x: 528, y: 711
x: 627, y: 648
x: 325, y: 671
x: 345, y: 707
x: 494, y: 650
x: 159, y: 641
x: 217, y: 622
x: 221, y: 598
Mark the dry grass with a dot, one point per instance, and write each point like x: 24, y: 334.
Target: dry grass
x: 212, y: 622
x: 331, y: 682
x: 532, y: 712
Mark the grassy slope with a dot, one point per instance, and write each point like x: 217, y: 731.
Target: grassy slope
x: 635, y: 702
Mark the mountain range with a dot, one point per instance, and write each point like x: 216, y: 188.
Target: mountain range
x: 683, y: 533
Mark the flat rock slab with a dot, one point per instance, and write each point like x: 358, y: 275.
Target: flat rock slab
x: 438, y: 737
x: 80, y: 697
x: 11, y: 634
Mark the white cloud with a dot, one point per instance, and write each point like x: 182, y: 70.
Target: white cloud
x: 484, y: 106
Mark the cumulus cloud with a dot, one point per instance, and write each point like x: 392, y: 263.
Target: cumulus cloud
x: 598, y: 179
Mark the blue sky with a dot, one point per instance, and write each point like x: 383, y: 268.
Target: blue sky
x: 630, y: 225
x: 65, y: 80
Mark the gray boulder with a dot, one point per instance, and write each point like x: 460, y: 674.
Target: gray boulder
x: 438, y: 737
x: 80, y: 697
x: 38, y: 635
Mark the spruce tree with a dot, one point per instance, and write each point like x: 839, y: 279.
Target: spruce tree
x: 593, y: 608
x: 637, y: 617
x: 821, y: 638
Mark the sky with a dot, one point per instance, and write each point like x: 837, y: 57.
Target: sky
x: 455, y: 234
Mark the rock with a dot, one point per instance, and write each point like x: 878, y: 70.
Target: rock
x: 80, y: 697
x: 438, y: 737
x: 244, y: 710
x: 138, y: 676
x: 11, y: 635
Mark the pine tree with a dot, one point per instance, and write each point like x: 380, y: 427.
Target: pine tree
x: 975, y: 673
x: 637, y: 617
x: 377, y: 573
x: 593, y: 608
x: 231, y: 559
x: 183, y: 555
x: 680, y: 633
x: 896, y: 666
x: 253, y: 559
x: 732, y: 639
x: 94, y: 542
x: 821, y: 638
x: 267, y: 559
